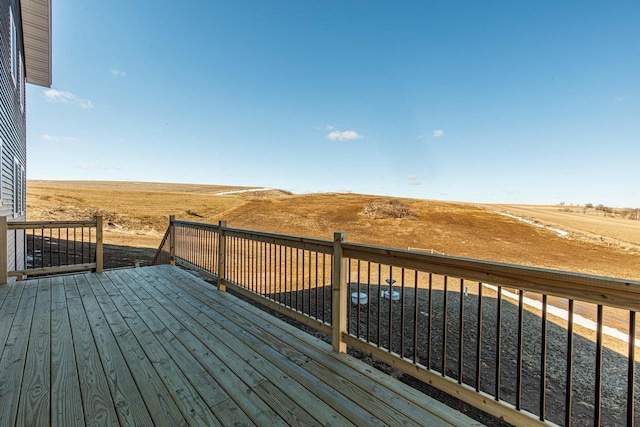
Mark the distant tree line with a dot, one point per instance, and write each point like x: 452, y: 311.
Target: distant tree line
x: 629, y: 213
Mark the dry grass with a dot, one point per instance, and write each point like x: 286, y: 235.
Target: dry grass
x: 138, y: 214
x: 586, y: 224
x: 390, y: 209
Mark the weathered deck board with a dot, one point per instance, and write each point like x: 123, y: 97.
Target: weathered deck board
x: 157, y: 346
x: 34, y: 397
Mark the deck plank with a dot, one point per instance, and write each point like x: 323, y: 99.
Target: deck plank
x: 209, y: 350
x: 66, y: 401
x: 9, y: 310
x: 157, y: 397
x: 130, y: 406
x: 316, y: 391
x: 193, y: 408
x: 34, y: 406
x: 96, y: 399
x: 199, y: 378
x: 212, y: 330
x: 14, y: 355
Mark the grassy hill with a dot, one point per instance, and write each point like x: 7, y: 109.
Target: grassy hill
x: 136, y: 216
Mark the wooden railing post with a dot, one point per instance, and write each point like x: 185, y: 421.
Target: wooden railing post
x: 4, y: 247
x: 339, y: 294
x: 172, y: 240
x: 222, y: 254
x: 99, y: 249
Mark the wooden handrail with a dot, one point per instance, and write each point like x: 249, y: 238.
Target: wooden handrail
x: 25, y: 225
x: 613, y: 292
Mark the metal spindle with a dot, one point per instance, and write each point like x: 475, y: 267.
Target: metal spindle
x: 598, y: 386
x: 415, y: 317
x: 389, y: 343
x: 519, y: 355
x: 461, y: 334
x: 358, y: 303
x: 324, y: 282
x: 631, y: 374
x: 316, y: 290
x: 379, y: 303
x: 543, y: 359
x: 569, y: 386
x: 498, y: 340
x: 444, y: 329
x: 429, y: 314
x: 402, y: 314
x: 479, y: 338
x: 368, y: 302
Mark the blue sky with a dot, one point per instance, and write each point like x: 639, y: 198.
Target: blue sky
x: 499, y: 101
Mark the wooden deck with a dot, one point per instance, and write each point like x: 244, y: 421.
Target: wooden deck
x: 157, y: 346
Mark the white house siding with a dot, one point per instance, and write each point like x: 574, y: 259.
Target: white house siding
x: 12, y: 130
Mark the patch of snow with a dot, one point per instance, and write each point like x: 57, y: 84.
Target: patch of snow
x: 559, y: 232
x: 251, y: 190
x: 564, y: 315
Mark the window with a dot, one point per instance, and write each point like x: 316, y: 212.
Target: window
x: 21, y: 88
x: 14, y: 47
x: 23, y: 188
x: 16, y: 187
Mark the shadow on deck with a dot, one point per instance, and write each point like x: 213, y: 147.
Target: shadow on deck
x: 158, y: 346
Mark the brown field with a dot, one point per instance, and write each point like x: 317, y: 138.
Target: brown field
x: 587, y: 224
x: 136, y: 215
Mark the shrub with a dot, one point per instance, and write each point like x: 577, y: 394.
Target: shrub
x: 391, y: 209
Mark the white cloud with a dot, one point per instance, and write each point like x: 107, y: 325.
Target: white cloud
x: 411, y: 177
x: 325, y: 127
x: 60, y: 139
x: 118, y: 73
x: 65, y: 97
x: 347, y: 135
x: 438, y: 133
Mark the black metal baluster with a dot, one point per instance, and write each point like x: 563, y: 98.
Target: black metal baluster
x: 498, y: 340
x: 461, y: 334
x: 479, y: 339
x: 429, y: 313
x: 631, y: 374
x: 415, y: 316
x: 598, y: 398
x: 368, y: 301
x: 379, y: 303
x: 519, y: 355
x: 390, y: 342
x: 358, y: 303
x: 543, y: 360
x: 402, y: 314
x: 444, y: 329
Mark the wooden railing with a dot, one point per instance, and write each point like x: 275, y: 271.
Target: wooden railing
x: 49, y: 247
x: 527, y: 345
